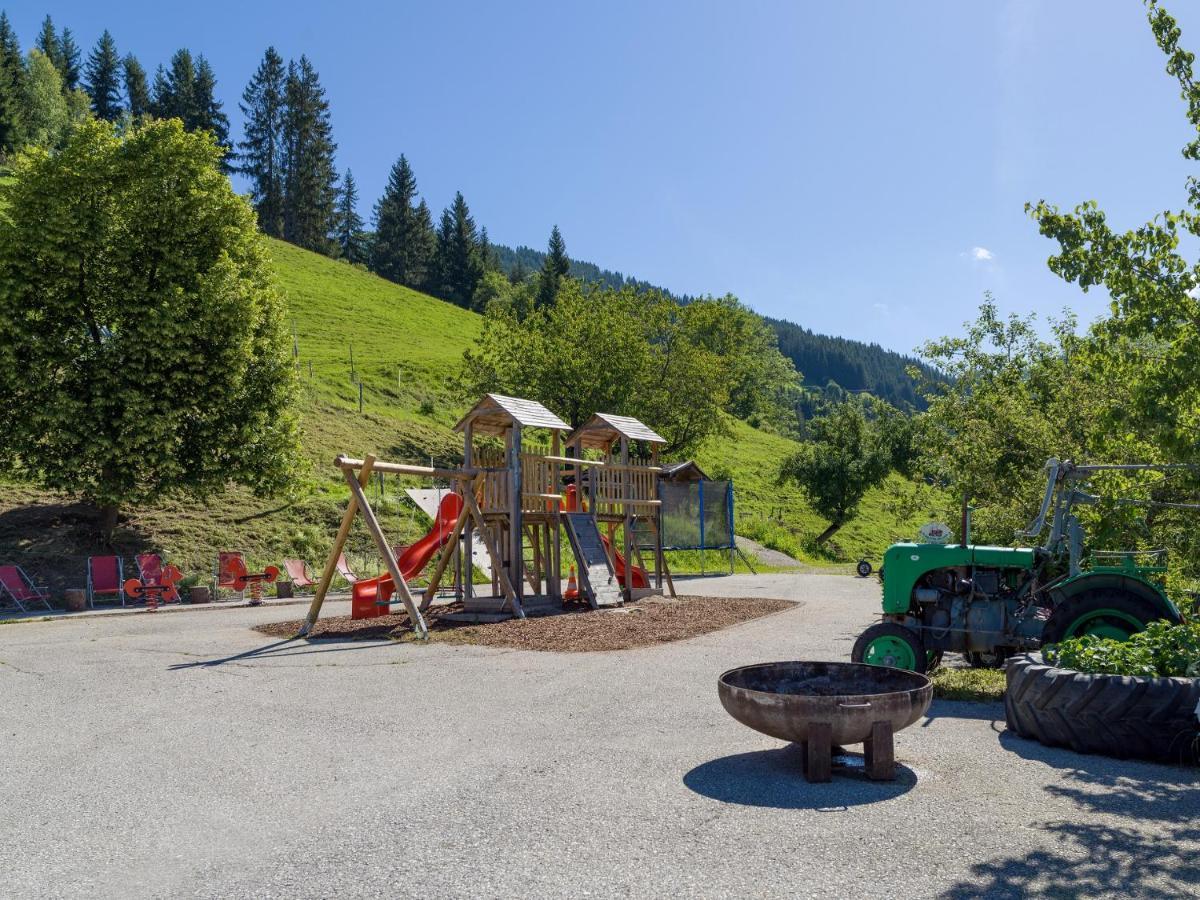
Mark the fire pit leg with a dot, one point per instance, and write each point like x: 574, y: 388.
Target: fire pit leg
x: 880, y: 753
x: 818, y: 752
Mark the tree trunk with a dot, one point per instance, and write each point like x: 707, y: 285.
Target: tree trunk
x: 829, y: 532
x: 108, y: 522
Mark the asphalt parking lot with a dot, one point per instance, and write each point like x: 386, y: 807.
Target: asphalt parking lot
x: 185, y: 754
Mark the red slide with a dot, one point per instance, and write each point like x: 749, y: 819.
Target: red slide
x: 639, y: 574
x: 368, y: 592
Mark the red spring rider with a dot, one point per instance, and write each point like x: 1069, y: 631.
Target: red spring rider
x: 243, y: 580
x: 153, y: 591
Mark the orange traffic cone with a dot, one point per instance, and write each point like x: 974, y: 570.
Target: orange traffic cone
x: 572, y: 587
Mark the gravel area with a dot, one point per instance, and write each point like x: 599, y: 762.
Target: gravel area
x: 188, y: 755
x: 643, y: 624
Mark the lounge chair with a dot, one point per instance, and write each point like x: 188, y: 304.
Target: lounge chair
x: 297, y: 572
x: 343, y: 568
x: 105, y: 578
x: 19, y: 587
x: 150, y: 570
x: 229, y: 565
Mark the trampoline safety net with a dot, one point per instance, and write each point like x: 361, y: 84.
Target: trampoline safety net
x: 697, y: 515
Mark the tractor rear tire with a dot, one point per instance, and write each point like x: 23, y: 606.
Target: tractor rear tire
x: 890, y: 644
x: 1069, y: 618
x: 1114, y: 715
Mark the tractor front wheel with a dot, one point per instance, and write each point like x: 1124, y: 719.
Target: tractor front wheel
x: 1104, y: 612
x: 889, y: 644
x: 863, y: 568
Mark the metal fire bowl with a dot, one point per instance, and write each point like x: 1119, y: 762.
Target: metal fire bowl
x: 783, y: 699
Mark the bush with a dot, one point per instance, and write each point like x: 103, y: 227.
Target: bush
x: 1163, y: 650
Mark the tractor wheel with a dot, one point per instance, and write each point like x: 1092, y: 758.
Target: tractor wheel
x: 1104, y: 612
x: 889, y: 644
x: 863, y: 568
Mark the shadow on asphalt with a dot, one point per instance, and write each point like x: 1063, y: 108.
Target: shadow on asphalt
x: 963, y: 709
x: 1148, y: 851
x: 775, y: 779
x: 277, y: 650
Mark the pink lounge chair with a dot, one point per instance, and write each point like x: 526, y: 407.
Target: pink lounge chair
x: 105, y: 578
x: 19, y: 588
x: 150, y: 569
x: 343, y: 568
x: 297, y: 572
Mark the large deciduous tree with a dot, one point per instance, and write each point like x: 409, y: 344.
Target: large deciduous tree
x: 142, y: 351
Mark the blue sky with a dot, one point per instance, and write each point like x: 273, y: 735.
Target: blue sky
x: 859, y: 168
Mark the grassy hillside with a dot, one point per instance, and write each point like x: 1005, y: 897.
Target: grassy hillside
x: 406, y: 350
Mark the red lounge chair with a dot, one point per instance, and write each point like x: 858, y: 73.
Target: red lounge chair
x: 19, y: 587
x: 229, y: 565
x: 105, y: 578
x: 297, y: 572
x: 150, y: 569
x: 343, y: 568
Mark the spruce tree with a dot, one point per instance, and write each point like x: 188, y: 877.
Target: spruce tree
x: 555, y: 267
x: 261, y: 152
x: 12, y: 72
x: 310, y: 180
x: 161, y: 101
x: 69, y: 54
x: 487, y: 255
x: 518, y: 273
x: 103, y: 79
x: 47, y: 42
x: 425, y: 255
x: 137, y: 91
x: 181, y: 90
x: 349, y: 223
x: 459, y: 267
x: 401, y: 250
x: 208, y: 112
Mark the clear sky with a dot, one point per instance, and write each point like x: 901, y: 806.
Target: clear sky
x: 860, y: 168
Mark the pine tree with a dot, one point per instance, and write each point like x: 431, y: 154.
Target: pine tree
x: 161, y: 101
x: 349, y: 223
x: 209, y: 116
x: 310, y: 180
x: 47, y: 42
x: 181, y: 90
x: 137, y: 91
x: 459, y: 267
x: 401, y: 251
x: 103, y: 80
x: 69, y: 53
x: 11, y: 87
x: 261, y: 152
x: 425, y: 254
x: 555, y: 267
x: 487, y: 254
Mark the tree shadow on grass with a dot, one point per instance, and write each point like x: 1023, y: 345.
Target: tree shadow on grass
x: 775, y: 779
x: 1135, y: 836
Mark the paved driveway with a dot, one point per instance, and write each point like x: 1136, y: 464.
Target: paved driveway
x: 182, y: 753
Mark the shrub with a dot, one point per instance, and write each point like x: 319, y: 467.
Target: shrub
x: 1161, y: 650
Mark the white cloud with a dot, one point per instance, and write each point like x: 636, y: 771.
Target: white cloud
x: 982, y: 254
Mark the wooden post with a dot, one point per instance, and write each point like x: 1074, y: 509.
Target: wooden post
x: 468, y: 583
x: 554, y: 529
x: 515, y: 531
x: 493, y: 552
x: 448, y: 553
x: 314, y: 608
x: 818, y: 752
x: 385, y: 551
x: 657, y: 522
x: 627, y: 511
x: 880, y: 752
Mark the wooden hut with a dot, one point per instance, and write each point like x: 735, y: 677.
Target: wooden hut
x: 623, y: 489
x: 519, y: 496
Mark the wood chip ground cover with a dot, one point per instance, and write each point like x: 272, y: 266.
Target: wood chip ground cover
x: 642, y: 624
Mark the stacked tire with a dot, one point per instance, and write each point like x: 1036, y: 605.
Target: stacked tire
x: 1115, y: 715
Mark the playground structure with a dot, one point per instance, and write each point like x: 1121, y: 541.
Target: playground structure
x: 508, y: 496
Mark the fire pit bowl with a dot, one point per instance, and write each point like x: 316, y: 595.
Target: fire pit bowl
x: 820, y: 704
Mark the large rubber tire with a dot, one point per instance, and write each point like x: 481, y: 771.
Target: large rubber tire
x: 988, y: 660
x: 1114, y: 715
x: 1124, y: 606
x: 905, y: 641
x: 863, y: 568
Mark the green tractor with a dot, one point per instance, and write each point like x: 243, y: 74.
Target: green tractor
x: 991, y: 602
